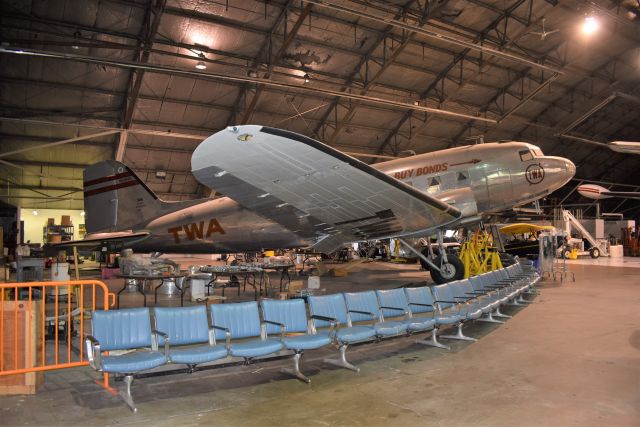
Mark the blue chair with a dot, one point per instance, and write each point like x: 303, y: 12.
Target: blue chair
x: 421, y: 301
x: 188, y: 327
x: 242, y: 321
x: 463, y: 289
x: 493, y: 296
x: 291, y: 315
x: 394, y: 303
x: 363, y: 307
x: 444, y: 299
x: 127, y: 329
x: 328, y: 310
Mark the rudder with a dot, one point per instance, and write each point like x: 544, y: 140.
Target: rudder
x: 115, y: 199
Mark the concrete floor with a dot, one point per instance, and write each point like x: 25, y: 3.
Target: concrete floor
x: 572, y: 357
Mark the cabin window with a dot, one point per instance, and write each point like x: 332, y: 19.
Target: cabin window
x: 434, y: 184
x: 526, y: 155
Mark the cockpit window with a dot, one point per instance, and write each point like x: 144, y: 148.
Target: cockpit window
x: 537, y: 152
x: 526, y: 155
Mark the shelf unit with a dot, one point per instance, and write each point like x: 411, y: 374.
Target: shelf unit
x: 65, y: 231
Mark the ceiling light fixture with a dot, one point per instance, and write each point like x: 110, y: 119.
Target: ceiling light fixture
x: 82, y: 213
x: 590, y: 25
x: 34, y: 212
x: 201, y: 65
x: 76, y: 35
x: 306, y: 78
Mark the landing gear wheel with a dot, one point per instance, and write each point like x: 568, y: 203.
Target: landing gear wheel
x: 452, y: 270
x: 594, y: 253
x: 566, y: 253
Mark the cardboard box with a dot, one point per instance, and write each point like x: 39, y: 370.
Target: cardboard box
x: 51, y: 221
x: 65, y: 220
x: 295, y: 286
x: 27, y: 347
x: 339, y: 272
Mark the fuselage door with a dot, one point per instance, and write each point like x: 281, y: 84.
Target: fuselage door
x: 499, y: 188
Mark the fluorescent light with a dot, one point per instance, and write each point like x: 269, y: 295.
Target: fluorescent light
x: 35, y: 212
x: 590, y: 25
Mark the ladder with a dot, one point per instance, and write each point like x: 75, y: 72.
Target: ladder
x: 572, y: 221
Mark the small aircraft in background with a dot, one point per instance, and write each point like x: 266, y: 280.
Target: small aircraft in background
x: 597, y: 192
x: 285, y: 190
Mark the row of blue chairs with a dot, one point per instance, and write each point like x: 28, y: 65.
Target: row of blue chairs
x: 194, y: 336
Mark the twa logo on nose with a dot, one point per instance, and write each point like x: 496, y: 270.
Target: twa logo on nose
x: 534, y: 174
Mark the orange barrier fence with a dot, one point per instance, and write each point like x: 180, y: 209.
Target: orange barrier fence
x: 43, y: 324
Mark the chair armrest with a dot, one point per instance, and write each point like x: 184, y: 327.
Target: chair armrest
x: 448, y: 302
x: 165, y: 336
x: 465, y: 298
x: 326, y: 319
x: 388, y: 307
x: 368, y: 313
x: 333, y: 323
x: 420, y: 304
x: 94, y: 354
x: 227, y: 335
x: 281, y: 325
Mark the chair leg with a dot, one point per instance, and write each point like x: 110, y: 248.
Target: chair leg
x: 489, y: 319
x: 500, y: 314
x: 295, y: 372
x: 342, y: 361
x: 459, y: 335
x: 433, y: 341
x: 126, y: 395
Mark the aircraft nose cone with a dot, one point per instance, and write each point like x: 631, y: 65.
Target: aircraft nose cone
x: 570, y: 167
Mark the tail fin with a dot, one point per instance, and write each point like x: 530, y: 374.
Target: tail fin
x: 115, y: 199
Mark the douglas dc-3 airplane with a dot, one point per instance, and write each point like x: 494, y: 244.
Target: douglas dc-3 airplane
x: 284, y: 190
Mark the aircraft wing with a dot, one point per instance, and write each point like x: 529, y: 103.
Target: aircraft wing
x: 625, y: 194
x: 95, y: 240
x: 312, y: 189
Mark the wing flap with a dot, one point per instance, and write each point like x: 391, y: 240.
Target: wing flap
x: 312, y: 189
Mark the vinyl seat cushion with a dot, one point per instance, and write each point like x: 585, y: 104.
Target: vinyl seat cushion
x: 198, y: 354
x: 133, y: 362
x: 307, y: 341
x: 255, y: 348
x: 355, y: 334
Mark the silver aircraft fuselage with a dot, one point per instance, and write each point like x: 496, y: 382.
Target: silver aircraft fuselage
x: 476, y: 179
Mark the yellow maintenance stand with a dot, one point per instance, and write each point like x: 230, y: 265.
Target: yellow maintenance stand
x: 478, y: 254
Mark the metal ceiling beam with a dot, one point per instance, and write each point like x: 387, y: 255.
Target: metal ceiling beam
x: 275, y: 59
x: 438, y: 36
x: 256, y: 61
x: 227, y: 77
x: 458, y: 59
x: 148, y: 35
x: 216, y: 20
x: 57, y: 143
x: 388, y: 61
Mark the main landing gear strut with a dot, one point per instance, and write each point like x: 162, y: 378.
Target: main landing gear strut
x: 445, y: 267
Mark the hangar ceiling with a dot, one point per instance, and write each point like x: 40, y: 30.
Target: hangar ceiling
x: 84, y: 81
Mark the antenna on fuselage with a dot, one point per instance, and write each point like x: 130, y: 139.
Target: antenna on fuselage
x: 477, y: 139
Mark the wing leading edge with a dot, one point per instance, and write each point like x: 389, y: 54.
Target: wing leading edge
x: 312, y: 189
